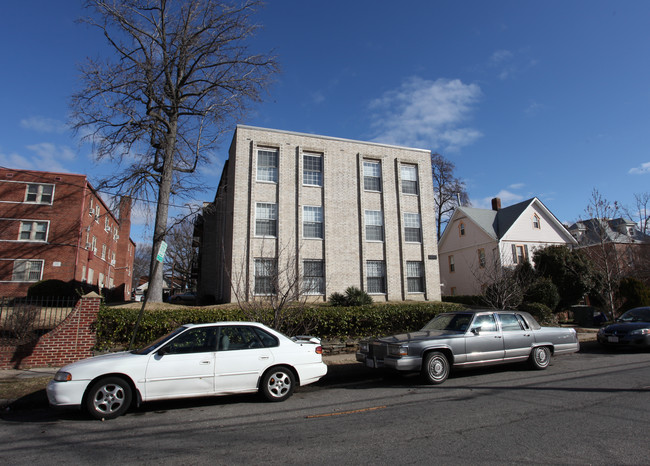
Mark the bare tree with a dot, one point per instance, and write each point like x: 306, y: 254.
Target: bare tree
x: 181, y: 253
x: 449, y: 191
x: 141, y: 262
x: 500, y: 285
x: 276, y: 290
x: 181, y: 76
x: 604, y: 252
x: 642, y: 207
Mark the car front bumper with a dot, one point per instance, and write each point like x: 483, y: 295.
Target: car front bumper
x: 624, y: 340
x: 405, y: 363
x: 66, y: 393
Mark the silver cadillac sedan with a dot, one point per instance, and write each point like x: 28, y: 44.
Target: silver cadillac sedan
x: 469, y: 338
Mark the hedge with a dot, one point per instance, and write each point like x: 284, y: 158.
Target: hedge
x: 115, y: 325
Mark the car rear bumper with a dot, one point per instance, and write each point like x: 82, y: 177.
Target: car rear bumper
x: 310, y: 373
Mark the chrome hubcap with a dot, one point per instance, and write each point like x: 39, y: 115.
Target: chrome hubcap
x: 436, y: 368
x: 279, y: 384
x: 109, y: 398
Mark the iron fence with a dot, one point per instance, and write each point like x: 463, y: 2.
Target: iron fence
x: 23, y: 320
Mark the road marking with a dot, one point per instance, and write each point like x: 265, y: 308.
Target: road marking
x: 355, y: 411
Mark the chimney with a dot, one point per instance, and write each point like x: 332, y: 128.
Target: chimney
x: 496, y: 203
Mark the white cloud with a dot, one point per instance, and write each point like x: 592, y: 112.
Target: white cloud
x: 641, y: 170
x: 426, y: 114
x: 501, y: 56
x: 46, y: 156
x: 15, y: 161
x: 516, y: 186
x: 44, y: 125
x: 508, y: 64
x: 507, y: 198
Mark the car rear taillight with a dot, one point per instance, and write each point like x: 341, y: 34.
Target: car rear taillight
x: 319, y: 350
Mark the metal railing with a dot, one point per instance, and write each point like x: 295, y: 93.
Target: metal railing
x: 23, y: 320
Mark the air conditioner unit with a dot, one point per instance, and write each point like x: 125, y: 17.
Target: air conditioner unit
x: 113, y: 263
x: 87, y: 245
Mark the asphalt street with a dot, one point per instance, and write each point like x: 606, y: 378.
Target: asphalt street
x: 590, y: 407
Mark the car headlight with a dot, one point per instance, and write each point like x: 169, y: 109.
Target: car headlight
x: 398, y: 350
x: 601, y: 330
x: 363, y: 346
x: 640, y: 331
x: 63, y: 376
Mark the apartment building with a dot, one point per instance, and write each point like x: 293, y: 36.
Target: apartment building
x: 320, y: 213
x: 56, y: 226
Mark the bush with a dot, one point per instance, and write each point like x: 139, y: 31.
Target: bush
x: 541, y: 312
x: 115, y: 326
x: 353, y: 297
x: 51, y: 288
x: 543, y: 291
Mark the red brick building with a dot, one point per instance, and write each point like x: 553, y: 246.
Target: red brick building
x: 56, y: 226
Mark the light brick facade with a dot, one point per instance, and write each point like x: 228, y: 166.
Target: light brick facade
x: 56, y: 226
x: 313, y: 205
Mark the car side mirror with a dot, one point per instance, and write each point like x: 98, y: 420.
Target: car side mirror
x: 162, y: 351
x: 476, y: 330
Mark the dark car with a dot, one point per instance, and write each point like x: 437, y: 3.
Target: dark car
x: 631, y: 329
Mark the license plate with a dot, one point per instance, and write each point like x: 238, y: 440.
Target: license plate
x: 612, y: 339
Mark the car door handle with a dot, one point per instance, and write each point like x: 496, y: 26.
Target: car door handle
x: 205, y: 363
x: 498, y: 336
x: 263, y: 358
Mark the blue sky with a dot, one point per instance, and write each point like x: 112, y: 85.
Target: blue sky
x: 548, y: 99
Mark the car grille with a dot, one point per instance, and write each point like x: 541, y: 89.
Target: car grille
x: 378, y: 351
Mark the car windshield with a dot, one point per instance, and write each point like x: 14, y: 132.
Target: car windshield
x: 159, y: 342
x: 636, y: 315
x: 450, y: 322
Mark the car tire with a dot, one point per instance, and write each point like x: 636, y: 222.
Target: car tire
x: 435, y: 369
x: 277, y: 384
x: 540, y: 358
x: 108, y: 398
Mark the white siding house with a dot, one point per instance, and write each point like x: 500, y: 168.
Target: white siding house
x: 478, y: 241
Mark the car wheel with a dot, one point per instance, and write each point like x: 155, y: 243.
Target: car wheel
x: 108, y: 398
x: 277, y: 384
x: 435, y: 368
x: 540, y: 358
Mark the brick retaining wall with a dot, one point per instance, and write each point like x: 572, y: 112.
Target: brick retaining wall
x: 70, y: 341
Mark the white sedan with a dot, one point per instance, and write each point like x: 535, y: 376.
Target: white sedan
x: 194, y: 360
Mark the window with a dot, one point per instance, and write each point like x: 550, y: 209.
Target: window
x: 452, y: 265
x: 195, y: 340
x: 313, y: 277
x: 266, y: 219
x: 233, y: 338
x: 97, y: 213
x: 519, y: 253
x: 103, y: 251
x: 27, y: 270
x: 484, y: 323
x: 107, y: 224
x: 113, y: 258
x: 461, y: 229
x: 39, y: 193
x: 100, y: 281
x: 83, y: 274
x: 481, y: 258
x: 267, y: 165
x: 409, y: 179
x: 312, y: 170
x: 509, y: 322
x: 372, y: 176
x: 33, y: 231
x: 376, y: 276
x: 265, y: 274
x: 374, y: 225
x: 312, y: 222
x: 536, y: 223
x: 93, y: 246
x: 412, y: 229
x: 91, y: 276
x: 453, y: 291
x: 415, y: 276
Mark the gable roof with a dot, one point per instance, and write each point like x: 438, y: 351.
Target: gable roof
x: 496, y: 223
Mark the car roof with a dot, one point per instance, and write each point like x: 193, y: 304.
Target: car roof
x: 208, y: 324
